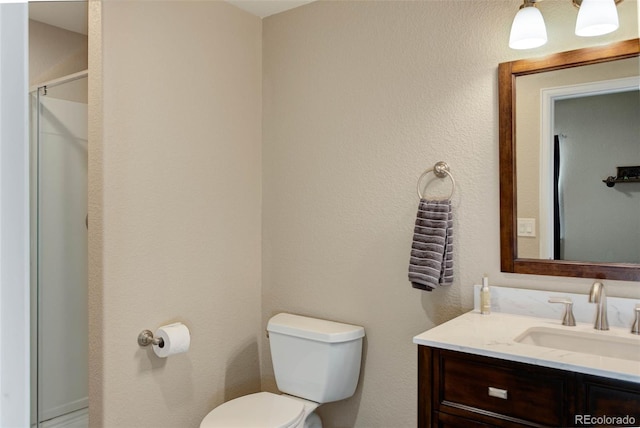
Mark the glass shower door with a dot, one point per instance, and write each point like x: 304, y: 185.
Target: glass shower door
x: 60, y: 209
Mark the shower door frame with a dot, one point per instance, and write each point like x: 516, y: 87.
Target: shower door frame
x: 34, y: 171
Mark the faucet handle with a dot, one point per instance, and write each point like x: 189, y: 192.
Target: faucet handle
x: 635, y: 328
x: 567, y: 318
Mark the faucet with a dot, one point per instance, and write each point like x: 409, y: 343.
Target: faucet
x: 567, y: 318
x: 598, y: 296
x: 635, y: 328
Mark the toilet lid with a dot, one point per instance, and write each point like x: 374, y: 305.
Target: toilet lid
x: 260, y: 410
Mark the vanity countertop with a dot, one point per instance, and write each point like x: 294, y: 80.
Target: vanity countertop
x: 494, y: 336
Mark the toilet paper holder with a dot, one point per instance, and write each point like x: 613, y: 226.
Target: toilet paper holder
x: 145, y: 338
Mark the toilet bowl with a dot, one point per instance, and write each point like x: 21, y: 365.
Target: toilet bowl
x: 326, y: 356
x: 264, y: 410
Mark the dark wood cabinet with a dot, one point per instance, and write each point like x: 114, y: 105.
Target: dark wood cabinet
x: 458, y: 389
x: 601, y: 396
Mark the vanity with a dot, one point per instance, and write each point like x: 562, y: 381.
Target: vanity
x: 475, y: 391
x: 520, y: 366
x: 525, y: 368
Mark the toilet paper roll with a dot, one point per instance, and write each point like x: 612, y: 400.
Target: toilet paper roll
x: 176, y: 339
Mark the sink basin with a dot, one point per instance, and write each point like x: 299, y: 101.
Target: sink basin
x: 583, y: 342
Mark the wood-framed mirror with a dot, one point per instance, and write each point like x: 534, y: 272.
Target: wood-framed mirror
x: 511, y: 260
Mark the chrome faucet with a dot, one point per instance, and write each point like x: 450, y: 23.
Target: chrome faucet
x: 598, y: 296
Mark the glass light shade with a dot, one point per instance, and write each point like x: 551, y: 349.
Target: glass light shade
x: 528, y: 30
x: 596, y: 17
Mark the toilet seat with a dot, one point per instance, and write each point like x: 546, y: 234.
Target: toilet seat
x: 259, y: 410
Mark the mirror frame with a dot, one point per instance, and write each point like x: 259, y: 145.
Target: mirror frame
x: 507, y: 73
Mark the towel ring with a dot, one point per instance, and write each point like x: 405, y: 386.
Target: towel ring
x: 441, y: 170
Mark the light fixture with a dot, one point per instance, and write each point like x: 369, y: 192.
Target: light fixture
x: 528, y: 30
x: 595, y: 17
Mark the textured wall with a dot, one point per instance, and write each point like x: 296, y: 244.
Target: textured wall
x: 174, y: 207
x: 359, y: 99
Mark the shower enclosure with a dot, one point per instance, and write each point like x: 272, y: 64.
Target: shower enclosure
x: 59, y: 253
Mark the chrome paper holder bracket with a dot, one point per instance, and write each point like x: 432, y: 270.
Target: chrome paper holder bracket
x: 145, y: 338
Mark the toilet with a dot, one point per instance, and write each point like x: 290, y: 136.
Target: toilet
x: 314, y: 361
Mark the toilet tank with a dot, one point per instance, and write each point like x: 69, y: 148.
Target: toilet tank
x: 315, y: 359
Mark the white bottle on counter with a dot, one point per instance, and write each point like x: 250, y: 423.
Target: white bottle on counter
x: 485, y: 296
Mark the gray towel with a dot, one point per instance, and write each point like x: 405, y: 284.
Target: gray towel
x: 431, y: 262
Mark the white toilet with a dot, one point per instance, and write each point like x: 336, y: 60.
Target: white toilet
x: 314, y: 361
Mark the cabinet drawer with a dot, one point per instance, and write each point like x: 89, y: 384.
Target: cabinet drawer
x: 448, y: 421
x: 504, y: 390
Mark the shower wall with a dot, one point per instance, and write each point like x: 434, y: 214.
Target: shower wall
x: 62, y: 349
x: 54, y: 52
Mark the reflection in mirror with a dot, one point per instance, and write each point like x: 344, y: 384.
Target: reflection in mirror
x: 567, y: 122
x: 596, y: 135
x: 575, y: 127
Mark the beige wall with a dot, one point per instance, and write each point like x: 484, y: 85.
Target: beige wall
x: 175, y: 207
x: 359, y: 99
x: 54, y: 52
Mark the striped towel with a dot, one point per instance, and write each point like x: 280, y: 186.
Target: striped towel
x: 431, y: 262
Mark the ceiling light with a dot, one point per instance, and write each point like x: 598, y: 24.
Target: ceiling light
x: 595, y: 17
x: 528, y: 30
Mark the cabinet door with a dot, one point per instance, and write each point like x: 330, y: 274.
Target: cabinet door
x: 613, y: 399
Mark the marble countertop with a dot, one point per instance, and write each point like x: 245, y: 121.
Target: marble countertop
x: 493, y: 336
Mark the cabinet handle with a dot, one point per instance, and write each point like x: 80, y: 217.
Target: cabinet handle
x: 497, y: 392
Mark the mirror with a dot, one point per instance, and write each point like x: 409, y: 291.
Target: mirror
x: 575, y: 127
x: 521, y: 170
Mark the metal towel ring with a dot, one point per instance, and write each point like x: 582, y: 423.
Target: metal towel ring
x: 441, y: 170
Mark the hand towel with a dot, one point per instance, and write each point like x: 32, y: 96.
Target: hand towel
x: 431, y: 262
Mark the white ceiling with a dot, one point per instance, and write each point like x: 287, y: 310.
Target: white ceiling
x: 264, y: 8
x: 72, y: 15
